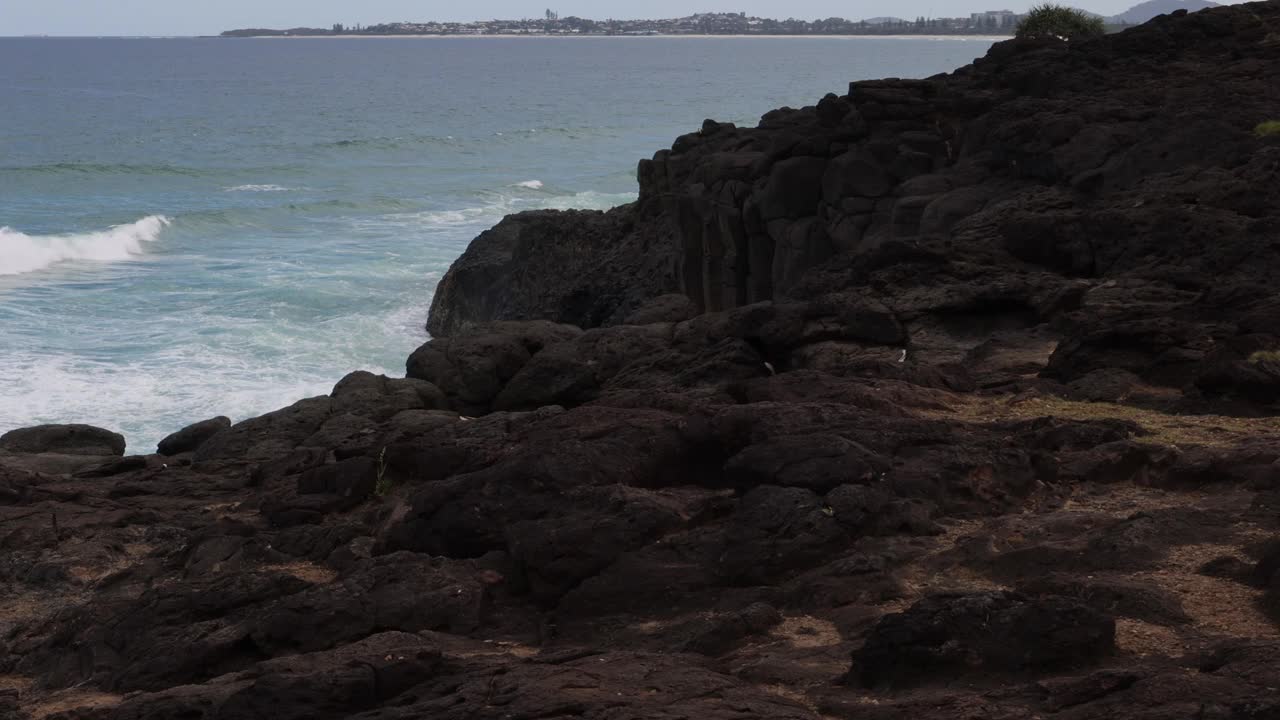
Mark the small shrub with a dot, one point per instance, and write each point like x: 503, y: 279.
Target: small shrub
x: 1270, y: 127
x: 383, y: 485
x: 1265, y: 356
x: 1049, y: 20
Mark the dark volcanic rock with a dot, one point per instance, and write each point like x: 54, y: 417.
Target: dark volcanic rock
x: 987, y: 633
x: 565, y: 266
x: 192, y: 436
x: 1040, y: 189
x: 719, y: 634
x: 1128, y: 598
x: 268, y: 437
x: 379, y: 397
x: 62, y: 440
x: 938, y: 375
x: 672, y: 308
x: 473, y: 369
x: 815, y: 462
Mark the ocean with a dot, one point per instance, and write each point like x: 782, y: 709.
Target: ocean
x: 200, y: 227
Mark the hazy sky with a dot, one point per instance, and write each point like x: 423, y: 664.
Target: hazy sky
x: 207, y: 17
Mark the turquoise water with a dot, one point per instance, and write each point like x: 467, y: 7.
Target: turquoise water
x: 194, y: 227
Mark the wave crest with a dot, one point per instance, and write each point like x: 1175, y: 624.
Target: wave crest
x: 482, y: 216
x: 256, y: 188
x: 21, y: 253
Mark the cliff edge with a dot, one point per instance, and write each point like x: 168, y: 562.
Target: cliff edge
x: 1113, y: 195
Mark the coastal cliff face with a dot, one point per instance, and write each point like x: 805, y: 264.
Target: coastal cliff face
x: 1112, y: 193
x: 944, y: 398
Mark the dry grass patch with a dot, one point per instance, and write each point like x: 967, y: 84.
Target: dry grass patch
x: 16, y: 682
x: 806, y: 631
x: 75, y: 699
x: 1215, y: 605
x: 929, y: 575
x: 794, y: 696
x: 28, y: 608
x: 651, y: 627
x: 305, y: 571
x: 515, y: 649
x: 467, y: 648
x: 1145, y: 639
x: 1120, y: 501
x: 1210, y: 430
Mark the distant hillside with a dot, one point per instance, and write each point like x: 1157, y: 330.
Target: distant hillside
x: 883, y: 21
x: 1143, y: 12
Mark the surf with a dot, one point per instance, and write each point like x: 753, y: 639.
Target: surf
x: 22, y: 253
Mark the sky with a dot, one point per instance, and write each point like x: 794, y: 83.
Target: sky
x: 209, y: 17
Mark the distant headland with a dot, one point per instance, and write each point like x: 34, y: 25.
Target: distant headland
x: 987, y: 22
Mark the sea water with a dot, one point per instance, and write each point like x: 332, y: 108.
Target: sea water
x: 195, y: 227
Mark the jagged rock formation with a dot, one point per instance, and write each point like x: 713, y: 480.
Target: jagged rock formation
x: 946, y: 398
x: 520, y: 270
x: 1110, y: 194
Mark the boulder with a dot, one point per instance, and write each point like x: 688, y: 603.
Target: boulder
x: 984, y: 634
x: 191, y: 437
x: 62, y: 440
x: 670, y: 308
x: 576, y: 267
x: 472, y: 369
x: 774, y: 531
x: 379, y: 397
x: 815, y: 462
x: 1127, y: 598
x: 719, y: 634
x: 268, y: 437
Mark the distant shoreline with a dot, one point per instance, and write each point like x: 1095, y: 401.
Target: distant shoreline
x: 498, y: 37
x: 870, y: 36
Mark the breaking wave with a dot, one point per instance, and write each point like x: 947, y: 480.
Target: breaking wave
x: 257, y: 188
x: 21, y: 253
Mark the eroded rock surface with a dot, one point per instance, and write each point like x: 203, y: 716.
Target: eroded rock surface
x: 943, y: 398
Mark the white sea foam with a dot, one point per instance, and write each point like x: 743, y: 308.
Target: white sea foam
x: 22, y: 253
x: 531, y: 184
x: 257, y: 188
x: 248, y: 367
x: 480, y: 217
x: 145, y: 400
x: 588, y: 200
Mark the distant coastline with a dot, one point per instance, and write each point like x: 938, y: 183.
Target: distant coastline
x: 537, y: 36
x: 996, y: 24
x: 990, y: 23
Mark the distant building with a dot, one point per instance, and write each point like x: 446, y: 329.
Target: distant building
x: 993, y: 18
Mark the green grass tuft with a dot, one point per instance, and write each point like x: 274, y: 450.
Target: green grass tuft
x: 1049, y: 20
x: 1265, y: 356
x: 384, y: 484
x: 1268, y: 128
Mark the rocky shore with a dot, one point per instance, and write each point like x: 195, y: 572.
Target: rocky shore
x: 942, y: 398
